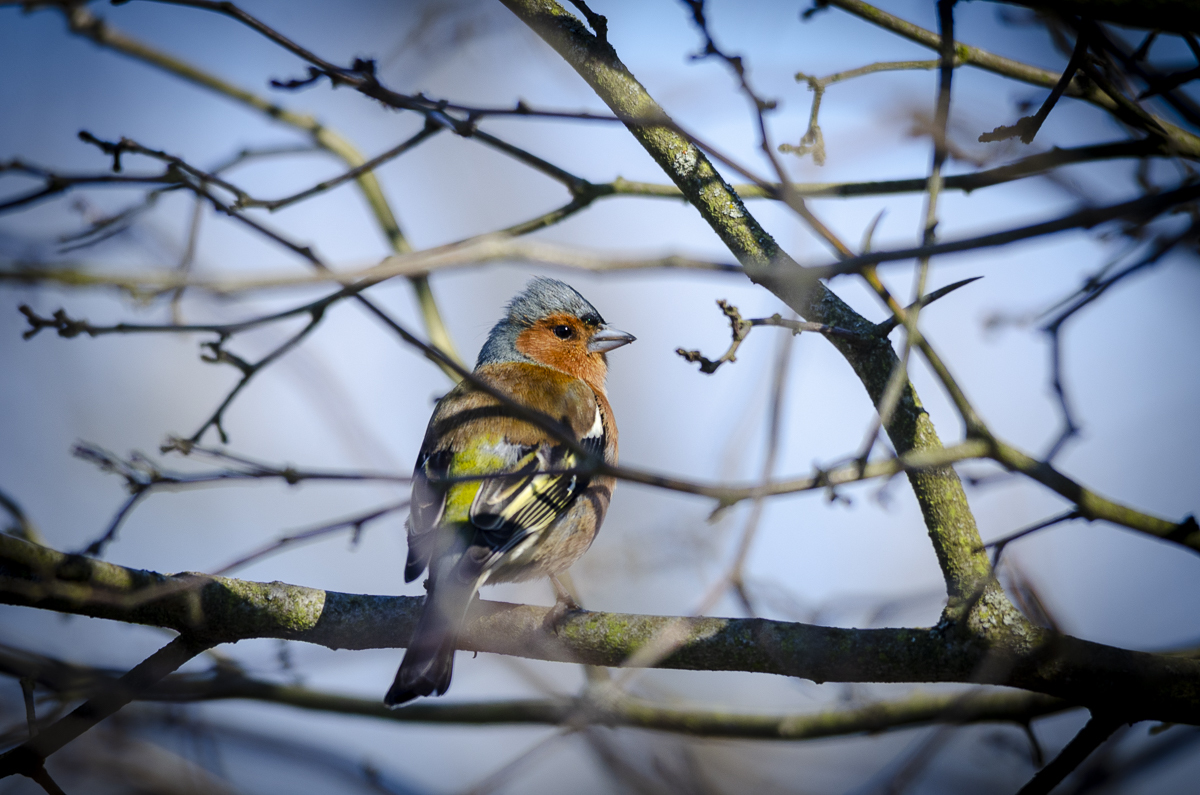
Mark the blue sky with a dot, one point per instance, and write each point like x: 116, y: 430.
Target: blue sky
x: 353, y: 396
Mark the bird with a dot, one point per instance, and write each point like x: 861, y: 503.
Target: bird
x: 541, y: 509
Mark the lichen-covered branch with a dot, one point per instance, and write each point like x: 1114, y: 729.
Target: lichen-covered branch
x: 1095, y: 506
x: 213, y: 610
x: 939, y: 492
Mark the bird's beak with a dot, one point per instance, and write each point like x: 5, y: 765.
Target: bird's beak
x: 606, y: 339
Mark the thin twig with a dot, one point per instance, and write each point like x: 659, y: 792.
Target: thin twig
x: 1027, y: 126
x: 143, y: 477
x: 813, y: 140
x: 1185, y: 143
x: 1092, y: 289
x: 83, y: 22
x: 740, y: 329
x: 1140, y: 210
x: 1000, y: 544
x: 354, y: 524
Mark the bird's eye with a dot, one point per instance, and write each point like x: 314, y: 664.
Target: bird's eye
x: 563, y: 332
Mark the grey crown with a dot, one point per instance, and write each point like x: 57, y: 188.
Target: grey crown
x: 541, y: 297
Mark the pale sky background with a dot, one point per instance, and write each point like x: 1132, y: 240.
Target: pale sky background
x: 353, y: 396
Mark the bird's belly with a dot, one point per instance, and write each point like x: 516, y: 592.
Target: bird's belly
x: 554, y: 549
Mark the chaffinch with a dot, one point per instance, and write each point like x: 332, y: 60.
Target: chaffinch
x: 548, y: 354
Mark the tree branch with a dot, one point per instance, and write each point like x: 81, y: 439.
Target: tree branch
x: 1138, y: 210
x: 939, y: 492
x: 1184, y: 143
x: 1098, y: 729
x: 227, y: 682
x: 1178, y: 16
x: 27, y: 758
x: 1134, y: 685
x: 82, y: 22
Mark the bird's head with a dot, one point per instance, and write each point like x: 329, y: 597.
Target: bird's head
x: 553, y: 325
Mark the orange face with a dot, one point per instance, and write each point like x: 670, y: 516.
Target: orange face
x: 561, y: 341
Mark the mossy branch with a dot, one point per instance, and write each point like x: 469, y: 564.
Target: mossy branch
x: 222, y: 610
x: 939, y: 492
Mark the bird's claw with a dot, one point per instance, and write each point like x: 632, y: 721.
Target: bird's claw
x: 564, y: 606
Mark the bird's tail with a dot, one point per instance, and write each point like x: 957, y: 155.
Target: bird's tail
x: 429, y: 661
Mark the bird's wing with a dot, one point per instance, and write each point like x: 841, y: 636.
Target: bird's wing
x: 425, y: 508
x: 471, y: 437
x: 539, y: 487
x: 528, y: 498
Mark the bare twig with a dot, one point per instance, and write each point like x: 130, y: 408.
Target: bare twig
x: 1156, y: 85
x: 143, y: 477
x: 1140, y: 210
x: 740, y: 329
x: 1092, y: 289
x: 83, y: 22
x: 813, y: 140
x: 355, y: 524
x: 761, y: 107
x: 1185, y: 143
x: 322, y: 187
x: 1000, y: 544
x: 1027, y: 126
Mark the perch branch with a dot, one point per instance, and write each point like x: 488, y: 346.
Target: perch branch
x: 1135, y: 685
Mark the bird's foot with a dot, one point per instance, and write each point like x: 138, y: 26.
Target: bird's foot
x: 564, y: 606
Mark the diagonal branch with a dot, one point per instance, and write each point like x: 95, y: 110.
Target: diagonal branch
x: 1027, y: 127
x: 27, y: 758
x: 939, y: 492
x: 1138, y: 210
x: 1098, y: 729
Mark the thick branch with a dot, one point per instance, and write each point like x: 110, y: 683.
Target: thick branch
x: 1136, y: 685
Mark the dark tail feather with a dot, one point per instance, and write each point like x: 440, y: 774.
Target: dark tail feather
x: 429, y: 661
